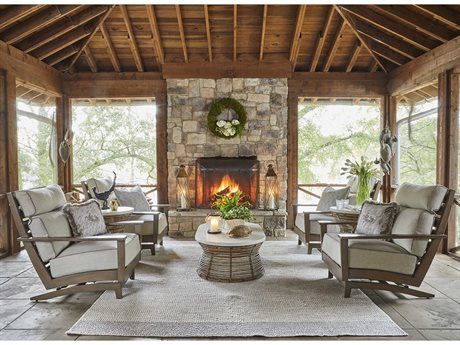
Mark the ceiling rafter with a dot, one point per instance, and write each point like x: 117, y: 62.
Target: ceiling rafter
x: 413, y: 19
x: 90, y: 59
x: 408, y: 34
x: 43, y: 18
x: 111, y: 49
x: 335, y: 44
x: 354, y: 56
x: 388, y: 54
x: 62, y: 55
x: 374, y: 66
x: 181, y: 32
x: 321, y: 39
x: 443, y: 13
x: 208, y: 31
x: 132, y: 39
x: 295, y: 45
x: 13, y: 14
x: 67, y: 24
x: 235, y: 32
x: 156, y: 38
x: 364, y: 40
x: 262, y: 35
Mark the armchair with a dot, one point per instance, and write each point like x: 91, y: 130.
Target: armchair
x: 64, y: 263
x: 394, y: 261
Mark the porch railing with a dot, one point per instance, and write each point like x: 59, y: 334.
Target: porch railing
x: 147, y: 188
x: 304, y: 188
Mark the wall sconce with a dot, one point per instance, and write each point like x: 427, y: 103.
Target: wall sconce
x: 182, y: 188
x: 271, y: 189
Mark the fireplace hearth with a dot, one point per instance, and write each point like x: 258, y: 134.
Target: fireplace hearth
x: 222, y: 175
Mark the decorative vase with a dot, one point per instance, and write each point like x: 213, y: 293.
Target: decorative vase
x: 229, y: 224
x: 363, y: 190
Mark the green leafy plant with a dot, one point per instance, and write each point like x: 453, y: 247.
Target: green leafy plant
x: 233, y: 206
x: 364, y: 170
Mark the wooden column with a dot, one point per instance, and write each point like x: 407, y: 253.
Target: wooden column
x: 447, y: 143
x: 292, y: 192
x: 162, y: 146
x: 389, y: 109
x: 64, y: 123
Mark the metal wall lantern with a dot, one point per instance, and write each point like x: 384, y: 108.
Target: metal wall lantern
x: 182, y: 189
x: 271, y: 189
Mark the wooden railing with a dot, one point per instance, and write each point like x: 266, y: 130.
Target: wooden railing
x: 150, y: 188
x: 303, y: 187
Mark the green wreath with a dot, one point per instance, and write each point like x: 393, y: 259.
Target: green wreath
x: 229, y: 128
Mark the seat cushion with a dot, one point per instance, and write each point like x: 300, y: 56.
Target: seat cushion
x: 371, y: 254
x: 427, y: 198
x: 93, y: 256
x: 413, y: 221
x: 314, y: 225
x: 50, y: 224
x: 40, y: 200
x: 147, y: 228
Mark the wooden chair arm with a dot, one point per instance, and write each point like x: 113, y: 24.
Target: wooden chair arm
x: 160, y: 205
x: 335, y: 222
x: 114, y: 237
x: 128, y: 222
x: 148, y: 213
x: 316, y: 212
x: 304, y: 204
x: 388, y: 237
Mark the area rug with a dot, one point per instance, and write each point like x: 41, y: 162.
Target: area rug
x: 293, y: 298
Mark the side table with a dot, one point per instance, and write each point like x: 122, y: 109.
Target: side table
x: 121, y: 214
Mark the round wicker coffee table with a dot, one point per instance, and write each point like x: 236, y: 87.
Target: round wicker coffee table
x: 230, y: 260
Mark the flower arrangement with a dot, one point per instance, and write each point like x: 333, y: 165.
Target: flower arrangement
x: 230, y: 127
x: 227, y: 128
x: 364, y: 170
x: 233, y: 206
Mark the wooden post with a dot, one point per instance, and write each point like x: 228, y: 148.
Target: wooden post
x: 389, y: 109
x: 4, y: 209
x: 162, y: 146
x: 293, y: 104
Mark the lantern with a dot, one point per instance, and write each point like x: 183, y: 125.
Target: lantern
x: 271, y: 189
x: 183, y: 199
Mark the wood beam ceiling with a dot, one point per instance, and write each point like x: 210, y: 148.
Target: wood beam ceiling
x: 235, y: 31
x: 321, y: 39
x: 110, y: 48
x: 443, y: 14
x: 181, y: 32
x: 13, y: 14
x: 132, y: 39
x: 295, y: 44
x: 156, y: 38
x: 335, y: 44
x: 354, y: 56
x: 262, y: 35
x: 208, y: 32
x: 90, y: 59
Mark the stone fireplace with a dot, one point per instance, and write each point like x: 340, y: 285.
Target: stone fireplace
x: 189, y: 140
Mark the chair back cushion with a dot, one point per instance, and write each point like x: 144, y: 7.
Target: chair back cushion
x: 86, y: 218
x: 376, y: 218
x: 40, y: 200
x: 353, y: 184
x: 50, y: 224
x: 427, y: 198
x: 102, y: 185
x: 413, y: 221
x: 330, y: 195
x: 133, y: 198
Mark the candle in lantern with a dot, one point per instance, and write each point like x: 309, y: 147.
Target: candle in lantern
x: 214, y: 224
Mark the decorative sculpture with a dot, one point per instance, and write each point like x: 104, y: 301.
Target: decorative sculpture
x: 64, y: 147
x: 240, y: 231
x: 103, y: 196
x: 388, y: 144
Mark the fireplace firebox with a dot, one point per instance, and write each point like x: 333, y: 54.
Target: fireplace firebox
x: 221, y: 175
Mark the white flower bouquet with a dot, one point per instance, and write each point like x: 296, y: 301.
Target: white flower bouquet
x: 227, y: 127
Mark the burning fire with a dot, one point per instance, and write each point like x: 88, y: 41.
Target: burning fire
x: 226, y: 186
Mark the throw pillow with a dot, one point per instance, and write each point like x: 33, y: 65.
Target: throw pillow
x: 133, y: 198
x: 376, y: 218
x: 85, y: 219
x: 330, y: 195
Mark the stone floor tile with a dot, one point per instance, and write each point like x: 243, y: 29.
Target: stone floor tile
x: 21, y: 288
x: 3, y: 280
x: 388, y: 295
x: 10, y: 310
x: 449, y: 287
x: 390, y: 311
x: 30, y: 273
x: 412, y: 334
x: 441, y: 334
x: 10, y: 269
x: 35, y: 334
x: 22, y: 256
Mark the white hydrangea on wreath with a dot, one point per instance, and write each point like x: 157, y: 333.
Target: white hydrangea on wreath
x: 230, y: 127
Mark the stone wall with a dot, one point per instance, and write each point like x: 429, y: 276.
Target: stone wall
x: 265, y: 136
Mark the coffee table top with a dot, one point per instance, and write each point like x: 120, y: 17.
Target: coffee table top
x: 223, y: 240
x: 120, y: 211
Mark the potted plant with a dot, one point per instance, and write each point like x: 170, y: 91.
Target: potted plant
x: 233, y: 209
x: 364, y: 171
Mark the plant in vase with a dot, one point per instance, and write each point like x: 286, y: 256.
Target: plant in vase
x: 364, y: 171
x: 233, y: 209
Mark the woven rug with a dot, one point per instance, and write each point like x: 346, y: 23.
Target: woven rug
x: 293, y: 298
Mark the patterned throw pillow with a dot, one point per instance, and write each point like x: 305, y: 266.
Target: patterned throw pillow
x: 85, y: 219
x: 330, y: 195
x: 133, y: 198
x: 376, y: 218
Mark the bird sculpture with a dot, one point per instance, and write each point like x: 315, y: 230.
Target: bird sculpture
x: 104, y: 196
x: 388, y: 145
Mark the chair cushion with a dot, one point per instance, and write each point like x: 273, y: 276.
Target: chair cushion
x: 40, y: 200
x: 353, y: 184
x: 314, y: 225
x: 86, y: 218
x: 133, y: 198
x: 101, y: 185
x: 376, y: 218
x: 330, y: 195
x: 413, y: 221
x: 147, y: 227
x: 427, y: 198
x: 93, y: 256
x: 50, y: 224
x: 371, y: 254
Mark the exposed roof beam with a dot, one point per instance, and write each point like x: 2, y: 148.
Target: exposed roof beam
x: 297, y: 35
x: 30, y: 100
x: 419, y: 22
x: 155, y: 34
x: 90, y: 59
x: 413, y: 37
x: 132, y: 39
x: 335, y: 44
x: 111, y: 49
x: 354, y: 56
x: 388, y: 54
x: 321, y: 39
x: 374, y: 66
x: 181, y: 32
x: 38, y: 21
x: 67, y: 24
x: 262, y: 36
x: 208, y: 31
x: 443, y: 13
x: 12, y: 14
x: 235, y: 31
x: 25, y: 93
x: 364, y: 40
x: 62, y: 55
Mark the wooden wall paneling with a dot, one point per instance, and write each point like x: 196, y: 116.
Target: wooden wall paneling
x: 161, y: 101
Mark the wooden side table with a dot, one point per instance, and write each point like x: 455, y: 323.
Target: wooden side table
x: 349, y: 215
x: 121, y: 214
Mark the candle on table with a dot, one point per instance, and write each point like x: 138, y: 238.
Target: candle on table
x: 214, y: 223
